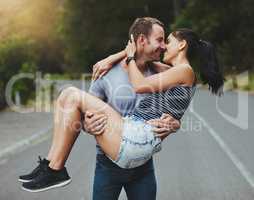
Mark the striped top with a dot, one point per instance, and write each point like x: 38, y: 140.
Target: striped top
x: 173, y: 101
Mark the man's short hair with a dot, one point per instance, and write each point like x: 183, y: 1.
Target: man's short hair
x: 144, y: 26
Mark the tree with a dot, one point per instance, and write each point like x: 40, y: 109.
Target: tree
x: 228, y: 24
x: 93, y: 29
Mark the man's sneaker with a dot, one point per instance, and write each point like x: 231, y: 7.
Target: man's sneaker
x: 48, y: 179
x: 29, y: 177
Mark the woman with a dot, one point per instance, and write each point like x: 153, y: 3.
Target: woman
x: 130, y: 141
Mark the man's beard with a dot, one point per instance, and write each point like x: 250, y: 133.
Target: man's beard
x: 158, y: 55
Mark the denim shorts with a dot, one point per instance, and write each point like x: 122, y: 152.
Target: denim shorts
x: 138, y: 143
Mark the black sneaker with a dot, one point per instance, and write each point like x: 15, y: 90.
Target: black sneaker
x: 29, y: 177
x: 48, y: 179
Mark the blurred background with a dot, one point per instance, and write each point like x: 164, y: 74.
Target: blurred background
x: 48, y: 44
x: 66, y: 38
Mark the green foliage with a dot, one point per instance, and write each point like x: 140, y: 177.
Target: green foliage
x: 92, y: 29
x: 16, y: 56
x: 227, y: 24
x: 69, y: 36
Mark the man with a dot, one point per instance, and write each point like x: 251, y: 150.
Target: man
x: 115, y: 89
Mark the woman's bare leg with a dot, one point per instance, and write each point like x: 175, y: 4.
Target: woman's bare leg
x: 57, y: 134
x: 67, y: 125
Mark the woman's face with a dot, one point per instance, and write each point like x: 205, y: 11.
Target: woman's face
x: 172, y: 49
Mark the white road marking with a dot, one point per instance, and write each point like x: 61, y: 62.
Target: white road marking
x: 239, y: 165
x: 24, y: 142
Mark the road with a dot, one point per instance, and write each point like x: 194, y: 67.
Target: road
x: 210, y: 158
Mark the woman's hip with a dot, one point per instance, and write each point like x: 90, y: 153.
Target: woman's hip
x: 138, y: 144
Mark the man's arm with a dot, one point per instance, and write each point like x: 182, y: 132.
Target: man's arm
x: 97, y: 89
x: 93, y: 122
x: 165, y: 125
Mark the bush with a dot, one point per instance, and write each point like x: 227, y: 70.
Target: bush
x: 17, y: 55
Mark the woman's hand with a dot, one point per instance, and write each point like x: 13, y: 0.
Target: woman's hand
x: 101, y: 68
x: 131, y: 47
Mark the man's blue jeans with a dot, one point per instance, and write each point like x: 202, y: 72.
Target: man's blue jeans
x: 139, y: 183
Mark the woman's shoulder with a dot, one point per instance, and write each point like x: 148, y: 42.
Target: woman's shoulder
x: 188, y: 74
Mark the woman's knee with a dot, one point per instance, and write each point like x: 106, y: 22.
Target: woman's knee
x: 69, y: 96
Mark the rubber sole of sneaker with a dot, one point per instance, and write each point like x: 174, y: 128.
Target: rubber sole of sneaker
x: 24, y: 181
x: 49, y: 187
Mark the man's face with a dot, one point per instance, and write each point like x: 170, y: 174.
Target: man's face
x: 154, y: 45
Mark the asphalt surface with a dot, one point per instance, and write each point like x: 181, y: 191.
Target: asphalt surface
x: 210, y: 158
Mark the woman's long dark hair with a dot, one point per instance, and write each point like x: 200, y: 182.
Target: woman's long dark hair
x: 203, y: 52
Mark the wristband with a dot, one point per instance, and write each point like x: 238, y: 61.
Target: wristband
x: 129, y: 59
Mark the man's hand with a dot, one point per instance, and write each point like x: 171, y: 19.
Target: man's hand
x: 164, y: 126
x: 94, y: 123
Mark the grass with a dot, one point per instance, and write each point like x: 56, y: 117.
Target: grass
x: 243, y: 81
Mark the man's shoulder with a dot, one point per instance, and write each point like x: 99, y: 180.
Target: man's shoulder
x: 114, y: 72
x: 116, y: 67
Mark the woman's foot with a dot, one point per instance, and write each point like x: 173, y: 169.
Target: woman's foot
x: 29, y: 177
x: 48, y: 179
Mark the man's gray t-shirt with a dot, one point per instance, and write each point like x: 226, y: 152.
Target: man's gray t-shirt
x: 115, y: 89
